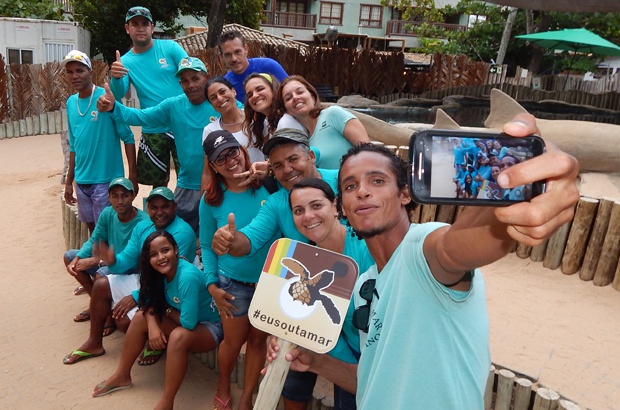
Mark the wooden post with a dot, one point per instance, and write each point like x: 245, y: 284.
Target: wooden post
x: 428, y: 213
x: 271, y: 386
x: 72, y: 223
x: 445, y: 213
x: 555, y: 247
x: 505, y: 383
x: 538, y: 251
x: 597, y: 237
x: 414, y: 216
x: 523, y: 394
x: 211, y: 358
x: 616, y: 282
x: 545, y: 399
x: 403, y: 153
x: 488, y: 391
x: 523, y: 251
x: 567, y: 405
x: 579, y: 233
x: 84, y: 233
x: 608, y: 261
x: 241, y: 369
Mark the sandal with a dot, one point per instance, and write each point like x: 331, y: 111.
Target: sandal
x: 219, y: 404
x: 79, y: 290
x: 109, y: 329
x: 83, y: 316
x: 149, y: 357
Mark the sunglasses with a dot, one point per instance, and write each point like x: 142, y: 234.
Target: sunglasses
x: 232, y: 153
x: 361, y: 315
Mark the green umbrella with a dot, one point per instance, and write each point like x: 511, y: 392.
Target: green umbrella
x: 577, y: 40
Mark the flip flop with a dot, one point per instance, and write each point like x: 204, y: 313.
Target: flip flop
x: 219, y: 404
x: 156, y: 355
x: 110, y: 389
x: 82, y: 356
x: 83, y: 316
x: 108, y: 330
x: 79, y: 290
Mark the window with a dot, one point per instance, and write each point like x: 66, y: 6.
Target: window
x: 56, y: 51
x: 331, y: 13
x: 370, y: 15
x: 17, y: 56
x: 291, y: 7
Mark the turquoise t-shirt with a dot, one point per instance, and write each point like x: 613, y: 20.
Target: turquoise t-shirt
x: 427, y: 346
x: 111, y: 230
x: 152, y: 74
x: 130, y: 256
x: 328, y: 136
x: 276, y: 215
x: 95, y: 140
x: 188, y: 294
x: 186, y: 121
x: 245, y: 205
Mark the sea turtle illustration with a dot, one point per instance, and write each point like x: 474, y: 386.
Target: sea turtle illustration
x: 307, y: 289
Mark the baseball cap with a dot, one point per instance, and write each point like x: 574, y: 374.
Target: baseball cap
x: 77, y: 56
x: 190, y: 63
x: 218, y: 141
x: 138, y: 11
x: 122, y: 181
x: 285, y: 135
x: 161, y: 191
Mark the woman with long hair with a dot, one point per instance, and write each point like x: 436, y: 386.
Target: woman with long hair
x: 232, y: 280
x: 313, y: 203
x: 332, y: 130
x: 175, y: 314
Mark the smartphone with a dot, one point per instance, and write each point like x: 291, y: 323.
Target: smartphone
x: 459, y: 167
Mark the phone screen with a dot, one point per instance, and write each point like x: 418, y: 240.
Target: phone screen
x: 463, y: 167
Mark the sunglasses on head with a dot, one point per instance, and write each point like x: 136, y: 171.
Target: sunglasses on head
x: 361, y: 315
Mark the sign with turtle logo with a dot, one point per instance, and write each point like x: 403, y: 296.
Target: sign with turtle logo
x: 303, y: 294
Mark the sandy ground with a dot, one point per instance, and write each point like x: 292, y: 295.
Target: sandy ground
x: 554, y: 328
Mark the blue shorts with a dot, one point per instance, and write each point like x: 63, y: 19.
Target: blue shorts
x: 103, y: 271
x: 299, y: 386
x: 243, y: 295
x: 91, y: 200
x: 216, y: 331
x: 188, y: 201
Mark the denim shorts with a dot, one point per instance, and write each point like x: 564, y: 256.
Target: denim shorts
x: 299, y: 386
x: 91, y: 200
x: 216, y: 331
x: 243, y: 295
x: 103, y: 271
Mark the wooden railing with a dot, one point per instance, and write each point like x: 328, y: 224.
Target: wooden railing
x: 407, y: 28
x: 282, y: 19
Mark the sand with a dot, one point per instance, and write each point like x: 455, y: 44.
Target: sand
x: 554, y: 328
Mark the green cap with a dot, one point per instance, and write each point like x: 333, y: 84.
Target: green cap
x: 161, y: 191
x: 138, y: 11
x: 122, y: 181
x: 191, y: 63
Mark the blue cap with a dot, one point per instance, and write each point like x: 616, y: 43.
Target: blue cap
x: 122, y: 181
x: 191, y: 63
x: 161, y: 191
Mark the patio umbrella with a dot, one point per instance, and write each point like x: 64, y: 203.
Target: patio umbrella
x: 578, y: 40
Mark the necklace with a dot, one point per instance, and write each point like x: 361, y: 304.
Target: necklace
x: 226, y: 124
x: 92, y: 93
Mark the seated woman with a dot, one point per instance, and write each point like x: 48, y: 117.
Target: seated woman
x: 232, y: 280
x: 313, y: 204
x: 175, y: 314
x: 333, y: 130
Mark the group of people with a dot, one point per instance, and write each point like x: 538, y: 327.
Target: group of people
x: 259, y: 158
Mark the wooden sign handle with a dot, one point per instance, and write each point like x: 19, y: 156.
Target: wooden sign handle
x: 271, y: 386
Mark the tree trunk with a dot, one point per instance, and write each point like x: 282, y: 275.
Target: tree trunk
x: 215, y: 21
x: 501, y: 54
x: 538, y: 52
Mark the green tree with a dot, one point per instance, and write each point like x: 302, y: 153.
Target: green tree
x: 105, y: 19
x: 36, y: 9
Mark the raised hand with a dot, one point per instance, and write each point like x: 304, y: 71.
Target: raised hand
x: 224, y: 237
x: 117, y: 70
x: 106, y: 102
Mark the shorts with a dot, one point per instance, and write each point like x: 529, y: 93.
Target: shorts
x: 103, y: 270
x: 91, y: 200
x: 153, y: 162
x: 216, y: 331
x: 343, y: 400
x: 243, y: 295
x: 121, y: 286
x: 188, y: 201
x: 299, y: 386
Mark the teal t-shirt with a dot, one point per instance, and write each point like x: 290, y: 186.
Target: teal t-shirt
x: 427, y: 346
x: 130, y: 256
x: 111, y: 230
x: 186, y: 121
x: 152, y: 75
x: 276, y: 215
x: 95, y: 140
x: 245, y: 205
x: 328, y: 136
x: 188, y: 294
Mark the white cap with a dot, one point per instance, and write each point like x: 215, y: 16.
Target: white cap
x: 78, y: 56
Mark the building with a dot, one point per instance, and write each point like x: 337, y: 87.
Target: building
x: 360, y: 23
x: 32, y: 41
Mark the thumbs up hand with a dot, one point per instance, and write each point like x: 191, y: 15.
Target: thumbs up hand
x: 117, y: 70
x: 225, y: 236
x: 106, y: 101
